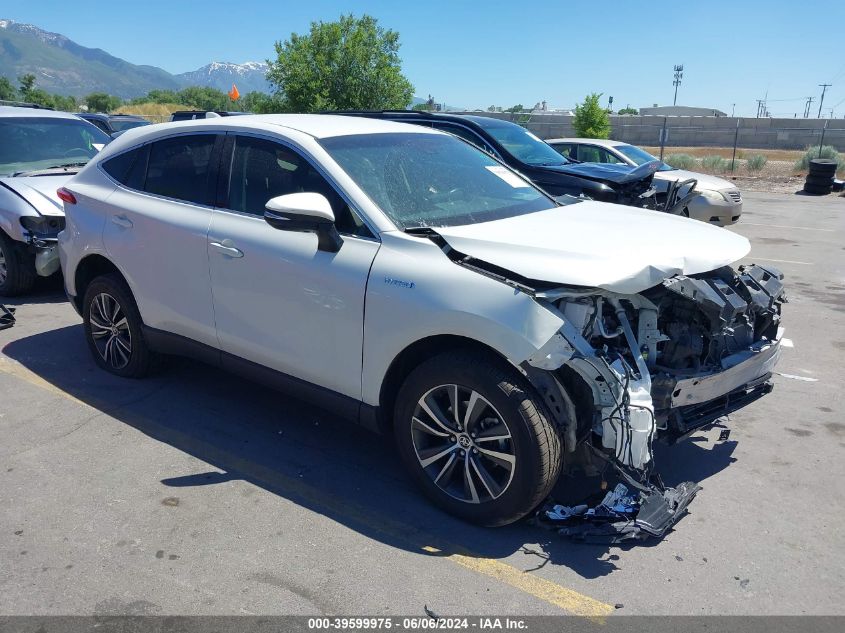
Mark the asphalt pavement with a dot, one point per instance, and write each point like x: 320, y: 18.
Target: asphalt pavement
x: 197, y: 492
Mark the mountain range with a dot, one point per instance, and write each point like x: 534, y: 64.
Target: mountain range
x: 62, y: 66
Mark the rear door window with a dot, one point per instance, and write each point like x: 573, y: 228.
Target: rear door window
x: 129, y: 168
x: 180, y: 168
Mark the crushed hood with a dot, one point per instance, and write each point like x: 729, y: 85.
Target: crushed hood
x: 614, y: 173
x: 39, y: 191
x: 618, y: 248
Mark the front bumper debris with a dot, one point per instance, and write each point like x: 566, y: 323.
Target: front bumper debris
x: 7, y: 317
x: 622, y: 515
x: 46, y: 256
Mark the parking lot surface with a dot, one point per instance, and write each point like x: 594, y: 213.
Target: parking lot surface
x: 197, y: 492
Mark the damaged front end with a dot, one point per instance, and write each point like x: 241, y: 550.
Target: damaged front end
x: 665, y: 362
x: 659, y: 364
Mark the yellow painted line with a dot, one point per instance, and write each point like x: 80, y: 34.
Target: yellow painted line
x: 567, y: 599
x: 14, y: 368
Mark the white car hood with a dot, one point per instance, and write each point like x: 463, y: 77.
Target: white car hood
x: 601, y: 245
x: 39, y: 191
x: 705, y: 181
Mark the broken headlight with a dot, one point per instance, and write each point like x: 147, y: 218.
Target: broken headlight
x: 43, y: 226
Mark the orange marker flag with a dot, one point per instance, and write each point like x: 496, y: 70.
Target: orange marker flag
x: 234, y: 95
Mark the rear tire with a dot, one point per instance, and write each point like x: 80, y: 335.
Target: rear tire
x: 499, y: 452
x: 17, y: 268
x: 114, y: 329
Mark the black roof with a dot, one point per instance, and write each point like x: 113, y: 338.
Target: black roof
x: 24, y: 104
x: 483, y: 121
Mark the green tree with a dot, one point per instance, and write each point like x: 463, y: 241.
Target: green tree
x: 66, y: 103
x: 349, y: 64
x: 7, y: 90
x: 157, y: 96
x: 27, y: 83
x: 517, y: 108
x: 259, y: 103
x: 40, y: 97
x: 628, y: 111
x: 204, y: 98
x: 102, y: 102
x: 591, y: 120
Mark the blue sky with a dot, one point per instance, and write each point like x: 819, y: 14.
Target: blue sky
x: 482, y: 53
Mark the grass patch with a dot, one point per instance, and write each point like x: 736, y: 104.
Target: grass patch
x: 680, y: 161
x: 827, y: 151
x: 756, y: 162
x: 156, y: 112
x: 715, y: 163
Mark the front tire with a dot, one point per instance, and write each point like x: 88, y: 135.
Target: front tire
x: 476, y: 438
x: 17, y: 268
x: 113, y: 329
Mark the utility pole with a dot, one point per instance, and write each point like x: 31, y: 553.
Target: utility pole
x: 733, y: 109
x: 759, y: 107
x: 821, y: 101
x: 807, y: 107
x: 679, y: 73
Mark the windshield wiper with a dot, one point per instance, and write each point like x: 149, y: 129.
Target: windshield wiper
x: 47, y: 171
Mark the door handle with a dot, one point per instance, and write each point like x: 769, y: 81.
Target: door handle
x: 122, y: 220
x: 227, y: 248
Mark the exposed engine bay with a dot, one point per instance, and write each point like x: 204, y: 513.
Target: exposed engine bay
x: 666, y: 361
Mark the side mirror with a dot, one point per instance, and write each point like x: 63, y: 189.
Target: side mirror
x: 307, y: 213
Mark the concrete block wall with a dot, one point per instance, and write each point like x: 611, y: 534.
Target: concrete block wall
x: 763, y: 133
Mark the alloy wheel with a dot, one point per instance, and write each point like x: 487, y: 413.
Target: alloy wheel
x: 110, y: 331
x: 463, y: 444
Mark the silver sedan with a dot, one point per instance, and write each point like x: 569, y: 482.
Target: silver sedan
x: 719, y: 202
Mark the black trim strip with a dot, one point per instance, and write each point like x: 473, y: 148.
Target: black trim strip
x: 337, y: 403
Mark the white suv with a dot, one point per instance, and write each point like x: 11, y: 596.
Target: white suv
x: 404, y: 278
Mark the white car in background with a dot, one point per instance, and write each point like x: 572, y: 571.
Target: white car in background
x: 404, y: 278
x: 719, y: 202
x: 39, y: 151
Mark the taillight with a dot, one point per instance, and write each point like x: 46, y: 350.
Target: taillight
x: 66, y: 196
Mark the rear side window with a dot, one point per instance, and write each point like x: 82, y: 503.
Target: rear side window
x: 180, y: 168
x: 129, y: 168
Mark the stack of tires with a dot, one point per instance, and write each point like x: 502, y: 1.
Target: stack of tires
x: 820, y: 177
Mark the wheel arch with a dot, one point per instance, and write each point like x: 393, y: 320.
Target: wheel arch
x: 88, y: 269
x: 411, y: 357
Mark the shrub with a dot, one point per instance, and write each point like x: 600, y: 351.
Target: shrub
x: 680, y: 161
x: 715, y: 163
x: 756, y: 162
x: 591, y: 120
x: 733, y: 165
x: 827, y: 151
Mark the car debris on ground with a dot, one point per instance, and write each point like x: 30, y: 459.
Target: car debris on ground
x: 7, y: 317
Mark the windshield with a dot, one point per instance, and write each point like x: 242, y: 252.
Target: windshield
x: 522, y: 144
x: 35, y: 143
x: 121, y: 125
x: 640, y: 156
x: 433, y: 179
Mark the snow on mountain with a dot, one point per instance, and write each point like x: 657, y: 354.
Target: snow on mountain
x: 248, y: 76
